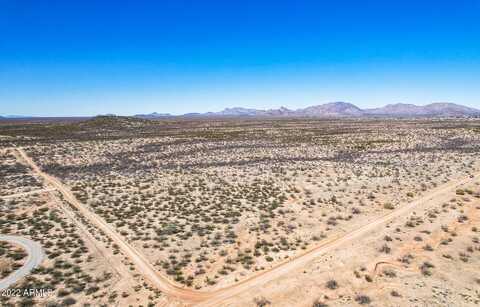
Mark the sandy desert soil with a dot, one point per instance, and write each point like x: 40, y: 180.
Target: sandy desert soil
x: 214, y: 209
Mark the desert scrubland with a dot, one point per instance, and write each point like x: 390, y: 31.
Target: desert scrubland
x: 245, y: 212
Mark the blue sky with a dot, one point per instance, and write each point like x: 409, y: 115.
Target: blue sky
x: 61, y: 58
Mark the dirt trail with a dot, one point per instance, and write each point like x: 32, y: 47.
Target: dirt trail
x: 27, y: 193
x: 223, y: 295
x: 120, y: 269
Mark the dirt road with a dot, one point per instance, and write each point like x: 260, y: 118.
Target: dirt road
x: 222, y: 296
x: 34, y: 258
x: 142, y: 264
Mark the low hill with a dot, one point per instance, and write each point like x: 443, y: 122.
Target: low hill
x: 113, y: 122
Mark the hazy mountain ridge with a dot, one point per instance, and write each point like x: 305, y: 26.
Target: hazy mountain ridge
x: 434, y: 109
x: 333, y: 109
x: 153, y: 115
x: 342, y: 109
x: 327, y: 110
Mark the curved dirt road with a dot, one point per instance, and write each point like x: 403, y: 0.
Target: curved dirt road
x: 35, y: 257
x: 221, y: 296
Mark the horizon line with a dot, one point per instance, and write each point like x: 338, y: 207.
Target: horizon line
x: 13, y: 116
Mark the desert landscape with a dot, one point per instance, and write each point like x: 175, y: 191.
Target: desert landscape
x: 242, y: 211
x: 240, y: 153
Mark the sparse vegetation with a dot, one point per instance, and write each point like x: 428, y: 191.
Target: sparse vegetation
x: 209, y: 203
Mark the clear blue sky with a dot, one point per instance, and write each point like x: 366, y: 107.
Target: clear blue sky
x: 127, y: 57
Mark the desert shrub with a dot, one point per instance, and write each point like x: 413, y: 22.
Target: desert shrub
x: 261, y: 302
x: 356, y: 211
x: 385, y: 249
x: 332, y: 284
x: 362, y: 299
x: 317, y: 303
x: 428, y: 247
x: 69, y: 301
x: 63, y: 292
x: 389, y: 206
x: 389, y: 273
x: 425, y: 268
x: 462, y: 218
x: 26, y: 302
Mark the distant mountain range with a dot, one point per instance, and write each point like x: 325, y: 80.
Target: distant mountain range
x: 340, y: 110
x: 327, y: 110
x: 434, y: 109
